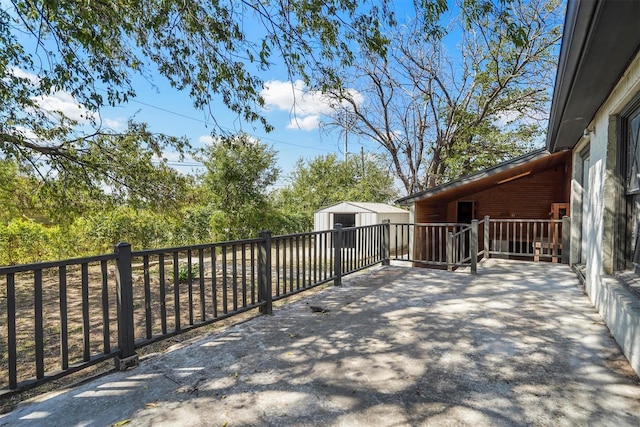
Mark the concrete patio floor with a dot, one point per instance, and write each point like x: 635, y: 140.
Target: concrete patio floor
x: 518, y: 344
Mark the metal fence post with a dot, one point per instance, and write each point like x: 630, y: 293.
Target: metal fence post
x: 566, y: 239
x: 264, y: 274
x: 337, y: 254
x: 386, y: 245
x: 473, y: 243
x: 128, y: 358
x: 486, y: 236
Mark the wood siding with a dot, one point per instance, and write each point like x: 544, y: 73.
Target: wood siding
x: 529, y: 197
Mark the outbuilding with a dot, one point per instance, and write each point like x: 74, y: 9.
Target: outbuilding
x: 532, y: 186
x: 358, y: 214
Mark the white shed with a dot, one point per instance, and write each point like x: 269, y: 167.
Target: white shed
x: 357, y: 214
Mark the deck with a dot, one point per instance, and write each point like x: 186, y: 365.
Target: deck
x: 516, y: 344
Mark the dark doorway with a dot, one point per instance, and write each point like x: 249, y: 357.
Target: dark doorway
x: 465, y: 215
x: 347, y: 221
x: 465, y: 212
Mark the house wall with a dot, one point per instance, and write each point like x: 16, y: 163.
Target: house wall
x: 529, y: 197
x: 425, y: 212
x: 613, y: 301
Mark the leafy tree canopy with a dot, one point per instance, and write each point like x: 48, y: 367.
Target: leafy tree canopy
x: 238, y: 177
x: 93, y: 50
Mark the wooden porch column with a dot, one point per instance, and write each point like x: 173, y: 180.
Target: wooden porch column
x: 486, y: 236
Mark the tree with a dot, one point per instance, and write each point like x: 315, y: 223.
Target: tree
x: 326, y: 180
x: 90, y: 53
x: 239, y: 173
x: 16, y: 196
x: 442, y: 114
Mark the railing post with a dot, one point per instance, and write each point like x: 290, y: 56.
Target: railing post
x: 450, y: 249
x: 337, y: 254
x: 386, y: 244
x: 566, y: 239
x: 473, y: 243
x: 128, y: 358
x: 486, y: 236
x: 264, y: 274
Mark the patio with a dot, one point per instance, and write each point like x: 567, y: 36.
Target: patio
x: 516, y: 344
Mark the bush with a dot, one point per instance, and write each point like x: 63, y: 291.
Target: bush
x: 24, y: 241
x: 142, y: 228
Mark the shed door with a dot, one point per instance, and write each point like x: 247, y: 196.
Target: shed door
x: 347, y: 220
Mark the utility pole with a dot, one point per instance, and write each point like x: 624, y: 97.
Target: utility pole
x: 346, y: 135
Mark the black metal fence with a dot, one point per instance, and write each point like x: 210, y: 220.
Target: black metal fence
x: 60, y: 317
x: 63, y: 316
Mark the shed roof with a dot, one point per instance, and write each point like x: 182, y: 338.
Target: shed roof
x: 600, y: 37
x: 519, y: 167
x: 356, y: 207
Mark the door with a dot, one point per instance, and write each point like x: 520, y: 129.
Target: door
x: 347, y: 220
x: 465, y: 212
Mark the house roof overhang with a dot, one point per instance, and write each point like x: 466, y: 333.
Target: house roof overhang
x: 600, y: 38
x: 520, y: 167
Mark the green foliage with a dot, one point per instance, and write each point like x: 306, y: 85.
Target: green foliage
x: 16, y: 193
x: 238, y: 174
x: 191, y: 226
x: 94, y: 51
x: 184, y: 273
x: 144, y: 229
x: 23, y: 241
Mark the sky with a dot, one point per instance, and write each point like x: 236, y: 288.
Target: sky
x: 296, y: 131
x: 293, y: 111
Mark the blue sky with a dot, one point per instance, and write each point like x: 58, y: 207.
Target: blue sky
x: 296, y: 132
x: 294, y: 136
x: 295, y: 119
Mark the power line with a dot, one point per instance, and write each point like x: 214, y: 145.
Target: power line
x: 206, y: 123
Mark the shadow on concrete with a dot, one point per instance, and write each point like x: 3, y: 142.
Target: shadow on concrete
x: 518, y: 344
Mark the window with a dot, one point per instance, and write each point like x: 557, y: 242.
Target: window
x: 630, y: 138
x: 633, y: 139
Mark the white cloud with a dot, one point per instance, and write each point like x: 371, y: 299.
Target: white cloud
x: 115, y: 124
x: 26, y: 133
x: 66, y: 104
x: 287, y: 96
x: 305, y: 123
x: 33, y: 79
x: 206, y: 139
x: 58, y: 101
x: 306, y: 106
